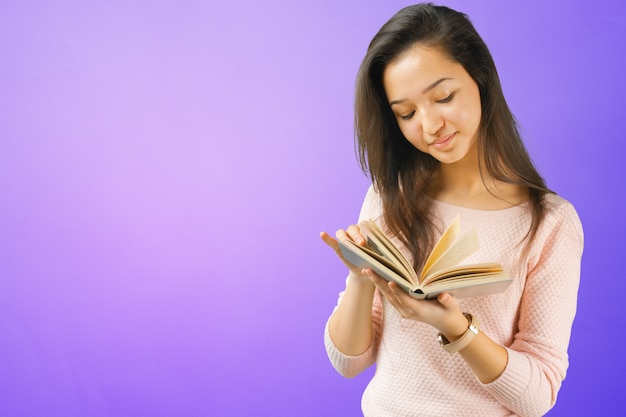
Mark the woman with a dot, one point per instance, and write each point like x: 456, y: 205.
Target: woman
x: 438, y: 140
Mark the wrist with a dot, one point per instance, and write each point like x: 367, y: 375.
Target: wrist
x: 360, y: 281
x: 453, y: 346
x: 456, y: 328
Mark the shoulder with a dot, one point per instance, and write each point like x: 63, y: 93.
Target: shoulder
x: 372, y: 205
x: 561, y: 222
x: 560, y: 212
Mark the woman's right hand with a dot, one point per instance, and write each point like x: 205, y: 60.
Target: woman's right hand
x: 353, y: 233
x: 350, y: 325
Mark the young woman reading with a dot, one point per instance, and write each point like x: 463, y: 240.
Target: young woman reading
x: 438, y: 140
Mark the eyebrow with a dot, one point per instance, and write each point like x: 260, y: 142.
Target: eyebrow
x: 424, y: 91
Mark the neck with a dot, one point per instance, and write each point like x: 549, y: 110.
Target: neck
x: 462, y: 179
x: 461, y: 184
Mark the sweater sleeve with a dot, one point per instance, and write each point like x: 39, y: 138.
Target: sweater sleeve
x: 537, y: 358
x: 351, y: 366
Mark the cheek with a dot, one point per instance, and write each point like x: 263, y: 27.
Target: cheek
x: 467, y: 117
x: 473, y: 111
x: 474, y: 117
x: 414, y: 138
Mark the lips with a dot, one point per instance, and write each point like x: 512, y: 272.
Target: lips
x: 443, y: 141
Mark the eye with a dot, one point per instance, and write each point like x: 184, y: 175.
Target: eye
x: 407, y: 116
x: 447, y: 99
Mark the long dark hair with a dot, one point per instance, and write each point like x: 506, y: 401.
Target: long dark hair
x: 401, y: 173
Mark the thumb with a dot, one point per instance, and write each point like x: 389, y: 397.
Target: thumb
x: 447, y: 300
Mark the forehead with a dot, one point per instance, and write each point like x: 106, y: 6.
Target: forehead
x: 419, y: 67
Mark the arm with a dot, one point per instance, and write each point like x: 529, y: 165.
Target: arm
x: 352, y: 365
x: 538, y: 357
x: 350, y: 330
x: 526, y: 376
x: 350, y: 325
x: 486, y: 358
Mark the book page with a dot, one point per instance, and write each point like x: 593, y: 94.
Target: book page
x: 463, y: 272
x: 378, y: 240
x: 453, y: 256
x: 442, y: 244
x: 360, y: 258
x: 491, y: 283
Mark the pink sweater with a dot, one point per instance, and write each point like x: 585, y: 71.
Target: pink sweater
x: 532, y: 319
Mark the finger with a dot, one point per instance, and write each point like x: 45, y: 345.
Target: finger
x: 342, y: 235
x: 329, y: 240
x: 354, y: 232
x: 403, y: 302
x: 401, y: 297
x: 387, y: 289
x: 334, y: 245
x: 376, y: 279
x: 393, y: 293
x: 448, y: 301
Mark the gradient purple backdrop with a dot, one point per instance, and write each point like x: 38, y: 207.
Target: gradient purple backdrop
x: 166, y: 168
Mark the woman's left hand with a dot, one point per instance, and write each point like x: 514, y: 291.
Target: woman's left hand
x: 444, y: 313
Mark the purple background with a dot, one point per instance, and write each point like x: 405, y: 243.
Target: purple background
x: 166, y: 168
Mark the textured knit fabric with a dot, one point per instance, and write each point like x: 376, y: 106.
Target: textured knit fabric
x: 532, y: 319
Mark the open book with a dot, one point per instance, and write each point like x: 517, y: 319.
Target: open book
x: 442, y: 271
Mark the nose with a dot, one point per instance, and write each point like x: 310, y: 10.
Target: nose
x: 432, y: 122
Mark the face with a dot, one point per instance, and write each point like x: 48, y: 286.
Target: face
x: 436, y: 103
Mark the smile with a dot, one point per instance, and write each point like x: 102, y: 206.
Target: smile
x: 443, y: 141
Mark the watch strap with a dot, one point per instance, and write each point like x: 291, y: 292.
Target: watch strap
x: 464, y: 340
